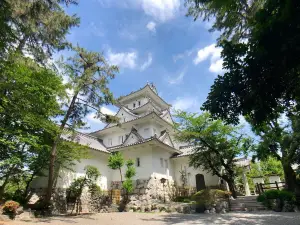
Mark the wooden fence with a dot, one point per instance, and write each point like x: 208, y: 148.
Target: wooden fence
x: 260, y: 188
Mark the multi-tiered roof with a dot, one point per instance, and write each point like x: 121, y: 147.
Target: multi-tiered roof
x: 137, y: 107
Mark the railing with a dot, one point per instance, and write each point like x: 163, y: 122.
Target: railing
x: 260, y: 188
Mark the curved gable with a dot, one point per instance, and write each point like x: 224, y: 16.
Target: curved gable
x: 167, y: 116
x: 165, y: 138
x: 124, y: 115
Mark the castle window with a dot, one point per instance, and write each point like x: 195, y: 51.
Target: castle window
x: 161, y: 162
x: 121, y: 139
x: 138, y: 162
x: 133, y: 105
x: 109, y: 142
x: 139, y: 103
x: 166, y: 163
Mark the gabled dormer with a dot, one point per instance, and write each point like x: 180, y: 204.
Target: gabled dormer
x: 166, y: 115
x: 166, y: 138
x: 133, y: 137
x: 141, y: 97
x: 124, y: 115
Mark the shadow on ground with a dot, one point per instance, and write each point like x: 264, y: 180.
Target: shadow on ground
x: 230, y: 218
x: 62, y: 219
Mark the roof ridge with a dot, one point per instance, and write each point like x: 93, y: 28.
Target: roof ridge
x: 152, y: 112
x: 147, y: 85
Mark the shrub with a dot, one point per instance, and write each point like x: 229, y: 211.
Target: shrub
x: 282, y: 195
x: 184, y: 199
x: 210, y: 196
x: 10, y: 208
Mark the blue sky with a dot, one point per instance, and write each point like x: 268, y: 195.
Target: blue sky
x: 150, y: 41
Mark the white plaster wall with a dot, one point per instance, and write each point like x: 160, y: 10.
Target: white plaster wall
x: 115, y: 137
x: 182, y: 162
x: 145, y: 133
x: 158, y: 154
x: 143, y: 101
x: 96, y: 159
x: 145, y: 169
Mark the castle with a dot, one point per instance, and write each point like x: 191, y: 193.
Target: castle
x: 145, y: 134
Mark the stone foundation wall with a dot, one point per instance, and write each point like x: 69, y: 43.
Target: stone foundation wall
x: 60, y: 204
x: 152, y: 188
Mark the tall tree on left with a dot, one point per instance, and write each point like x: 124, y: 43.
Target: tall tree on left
x: 88, y: 75
x: 28, y: 101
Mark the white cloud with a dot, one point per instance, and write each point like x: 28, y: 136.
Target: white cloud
x: 188, y: 103
x: 151, y: 26
x: 161, y: 10
x: 216, y: 66
x: 123, y: 59
x: 92, y: 116
x: 178, y: 79
x: 214, y: 54
x: 147, y: 63
x: 107, y: 111
x: 182, y: 55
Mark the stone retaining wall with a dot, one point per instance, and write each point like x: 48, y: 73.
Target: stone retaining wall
x: 152, y: 188
x: 88, y: 202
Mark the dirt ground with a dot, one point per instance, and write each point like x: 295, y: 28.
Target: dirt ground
x: 242, y: 218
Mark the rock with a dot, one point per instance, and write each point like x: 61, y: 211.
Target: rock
x: 212, y: 211
x: 223, y: 211
x: 288, y: 207
x: 186, y: 209
x: 179, y: 209
x: 131, y: 210
x: 142, y: 208
x: 206, y: 212
x: 20, y: 210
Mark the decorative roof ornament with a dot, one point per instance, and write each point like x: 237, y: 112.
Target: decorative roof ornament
x: 152, y: 86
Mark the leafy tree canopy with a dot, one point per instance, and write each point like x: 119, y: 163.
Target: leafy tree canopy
x: 262, y: 73
x: 37, y: 28
x: 217, y: 145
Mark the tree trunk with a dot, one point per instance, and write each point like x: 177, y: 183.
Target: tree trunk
x: 2, y: 187
x: 53, y: 151
x: 121, y: 175
x: 232, y: 188
x: 27, y: 187
x: 289, y: 175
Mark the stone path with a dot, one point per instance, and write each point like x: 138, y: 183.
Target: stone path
x: 239, y: 218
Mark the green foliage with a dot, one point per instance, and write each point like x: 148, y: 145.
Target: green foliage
x: 263, y: 169
x: 116, y: 161
x: 129, y: 174
x: 209, y: 196
x: 128, y: 185
x: 37, y: 27
x: 230, y: 17
x: 182, y: 199
x: 281, y: 195
x: 88, y: 75
x: 76, y: 188
x: 260, y: 79
x: 28, y: 94
x: 217, y: 145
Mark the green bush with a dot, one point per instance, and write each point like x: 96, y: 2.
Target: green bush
x: 268, y: 196
x: 184, y: 199
x: 209, y: 196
